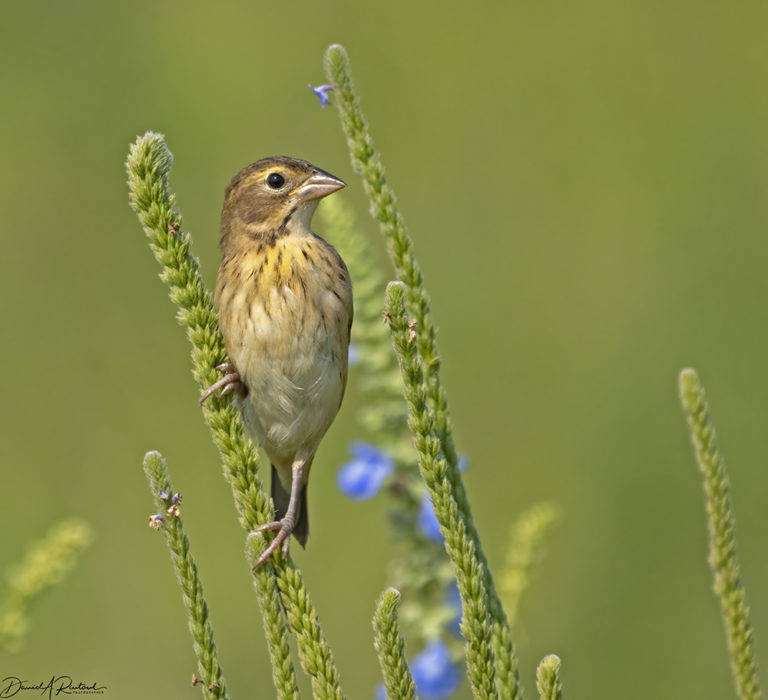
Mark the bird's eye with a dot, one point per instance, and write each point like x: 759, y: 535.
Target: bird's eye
x: 275, y: 180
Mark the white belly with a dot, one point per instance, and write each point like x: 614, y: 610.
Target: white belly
x: 293, y: 361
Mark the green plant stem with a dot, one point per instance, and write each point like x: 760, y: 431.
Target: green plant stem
x: 548, y: 678
x: 475, y: 625
x: 722, y: 538
x: 526, y: 535
x: 366, y: 161
x: 149, y: 165
x: 312, y: 646
x: 44, y: 566
x: 191, y: 587
x: 421, y: 569
x: 390, y: 648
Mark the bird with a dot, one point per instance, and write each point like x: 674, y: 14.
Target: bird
x: 284, y: 300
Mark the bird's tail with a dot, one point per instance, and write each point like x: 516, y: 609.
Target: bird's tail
x: 281, y: 498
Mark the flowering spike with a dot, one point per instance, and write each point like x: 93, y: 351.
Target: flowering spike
x: 548, y: 678
x: 722, y: 540
x: 390, y: 648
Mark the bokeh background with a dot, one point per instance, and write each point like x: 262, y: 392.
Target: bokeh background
x: 585, y: 184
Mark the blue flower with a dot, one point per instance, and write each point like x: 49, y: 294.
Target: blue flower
x: 380, y: 693
x: 322, y: 93
x: 427, y: 521
x: 435, y: 675
x: 453, y: 603
x: 163, y: 495
x: 363, y: 477
x: 353, y: 355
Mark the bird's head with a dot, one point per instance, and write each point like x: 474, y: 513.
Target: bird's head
x: 272, y: 197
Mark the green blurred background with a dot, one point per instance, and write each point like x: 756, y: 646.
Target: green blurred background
x: 585, y: 186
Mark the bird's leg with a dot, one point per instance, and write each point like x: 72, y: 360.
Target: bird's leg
x: 285, y: 526
x: 226, y: 385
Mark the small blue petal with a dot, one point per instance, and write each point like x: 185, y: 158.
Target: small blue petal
x: 176, y: 498
x: 380, y: 693
x: 364, y: 475
x: 368, y: 453
x: 463, y: 463
x: 427, y: 522
x: 453, y: 603
x: 321, y: 91
x: 435, y: 675
x: 163, y: 495
x: 353, y: 356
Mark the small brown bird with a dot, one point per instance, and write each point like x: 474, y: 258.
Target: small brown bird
x: 285, y: 309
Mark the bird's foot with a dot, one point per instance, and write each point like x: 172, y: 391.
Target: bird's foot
x: 226, y: 385
x: 284, y: 529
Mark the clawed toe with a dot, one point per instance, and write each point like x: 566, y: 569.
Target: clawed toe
x: 226, y: 385
x: 283, y: 537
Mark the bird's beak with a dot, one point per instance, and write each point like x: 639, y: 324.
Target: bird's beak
x: 319, y: 184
